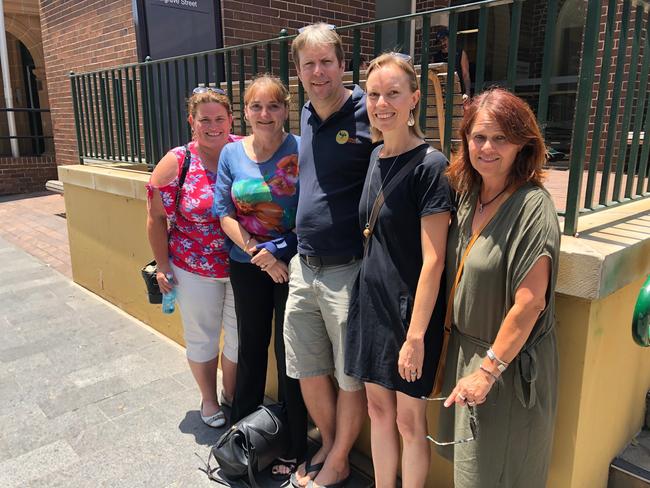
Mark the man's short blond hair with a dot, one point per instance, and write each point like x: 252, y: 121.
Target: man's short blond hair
x: 317, y: 35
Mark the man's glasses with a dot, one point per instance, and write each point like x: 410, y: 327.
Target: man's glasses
x: 328, y: 26
x: 473, y: 425
x: 205, y: 89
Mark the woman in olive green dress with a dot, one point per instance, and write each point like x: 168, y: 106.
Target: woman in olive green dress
x: 502, y: 351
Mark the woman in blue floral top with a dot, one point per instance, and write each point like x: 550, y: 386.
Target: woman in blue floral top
x: 256, y: 196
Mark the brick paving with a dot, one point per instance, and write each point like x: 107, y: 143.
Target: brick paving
x: 36, y: 223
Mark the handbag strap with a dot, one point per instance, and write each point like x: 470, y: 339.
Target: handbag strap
x: 181, y: 179
x: 437, y: 386
x: 383, y: 193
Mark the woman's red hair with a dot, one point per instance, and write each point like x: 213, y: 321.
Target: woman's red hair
x: 517, y: 121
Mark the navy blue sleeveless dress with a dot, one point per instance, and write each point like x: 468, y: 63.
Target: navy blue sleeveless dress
x: 382, y: 298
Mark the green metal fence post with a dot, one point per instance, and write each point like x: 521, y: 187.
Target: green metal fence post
x: 75, y: 108
x: 627, y: 113
x: 284, y: 65
x: 450, y: 86
x: 377, y: 42
x: 481, y: 50
x: 242, y: 88
x: 356, y: 56
x: 105, y: 110
x: 547, y: 64
x: 424, y: 70
x: 603, y: 87
x: 614, y: 103
x: 513, y: 45
x: 580, y: 124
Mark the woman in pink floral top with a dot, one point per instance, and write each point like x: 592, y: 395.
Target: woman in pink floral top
x: 189, y: 247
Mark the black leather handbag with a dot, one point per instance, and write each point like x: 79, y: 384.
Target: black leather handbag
x: 150, y: 269
x: 251, y: 445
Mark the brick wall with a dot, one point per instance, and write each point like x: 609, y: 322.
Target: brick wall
x: 25, y: 174
x: 81, y: 36
x: 256, y: 20
x: 613, y: 60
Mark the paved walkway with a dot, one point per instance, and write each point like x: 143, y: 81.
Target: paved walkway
x: 89, y: 396
x: 36, y: 223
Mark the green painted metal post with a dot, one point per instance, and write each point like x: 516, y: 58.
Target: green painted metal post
x: 151, y: 112
x: 99, y: 116
x: 356, y: 56
x: 600, y: 107
x: 120, y: 81
x: 242, y: 88
x: 206, y: 67
x: 180, y: 109
x: 638, y: 119
x: 614, y: 103
x: 401, y: 36
x: 627, y: 112
x: 148, y: 157
x: 170, y: 110
x: 91, y: 103
x: 108, y: 150
x: 129, y: 113
x: 75, y: 108
x: 136, y: 115
x: 187, y: 130
x: 547, y: 64
x: 378, y: 40
x: 229, y: 75
x: 513, y: 45
x: 580, y: 124
x: 450, y: 86
x: 85, y: 137
x: 481, y: 49
x: 645, y: 152
x: 269, y: 58
x: 424, y: 70
x: 254, y: 61
x: 284, y: 65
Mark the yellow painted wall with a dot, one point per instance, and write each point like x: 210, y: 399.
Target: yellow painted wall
x: 603, y: 375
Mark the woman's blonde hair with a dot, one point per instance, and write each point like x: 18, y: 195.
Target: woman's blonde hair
x: 208, y: 96
x: 273, y: 84
x: 395, y: 59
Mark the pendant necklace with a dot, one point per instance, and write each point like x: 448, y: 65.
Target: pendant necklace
x: 482, y: 205
x: 367, y: 231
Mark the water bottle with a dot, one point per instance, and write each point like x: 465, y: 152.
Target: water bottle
x: 169, y: 299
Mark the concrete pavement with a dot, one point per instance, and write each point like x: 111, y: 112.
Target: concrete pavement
x: 89, y: 396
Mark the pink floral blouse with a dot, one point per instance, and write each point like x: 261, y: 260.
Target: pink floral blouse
x: 196, y: 241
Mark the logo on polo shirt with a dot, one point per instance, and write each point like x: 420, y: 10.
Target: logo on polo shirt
x: 342, y: 136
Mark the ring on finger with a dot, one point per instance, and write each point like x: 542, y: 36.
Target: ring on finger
x: 460, y: 395
x: 471, y: 404
x: 414, y: 374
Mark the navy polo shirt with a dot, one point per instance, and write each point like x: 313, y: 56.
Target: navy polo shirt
x: 333, y: 157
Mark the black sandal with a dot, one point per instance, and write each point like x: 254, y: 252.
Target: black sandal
x: 309, y: 468
x: 292, y: 464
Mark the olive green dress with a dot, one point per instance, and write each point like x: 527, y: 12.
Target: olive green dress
x: 515, y: 424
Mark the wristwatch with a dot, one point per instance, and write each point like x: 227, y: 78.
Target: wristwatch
x: 501, y: 365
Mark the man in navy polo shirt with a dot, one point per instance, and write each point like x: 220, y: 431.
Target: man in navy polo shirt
x: 335, y: 147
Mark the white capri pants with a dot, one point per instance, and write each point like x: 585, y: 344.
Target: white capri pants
x: 205, y: 304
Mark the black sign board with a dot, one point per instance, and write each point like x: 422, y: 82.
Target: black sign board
x: 167, y: 28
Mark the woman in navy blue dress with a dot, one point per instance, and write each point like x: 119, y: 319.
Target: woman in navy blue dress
x: 395, y: 325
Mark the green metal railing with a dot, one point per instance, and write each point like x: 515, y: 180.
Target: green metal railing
x: 134, y: 113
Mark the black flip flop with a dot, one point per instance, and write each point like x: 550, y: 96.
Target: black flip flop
x: 309, y: 468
